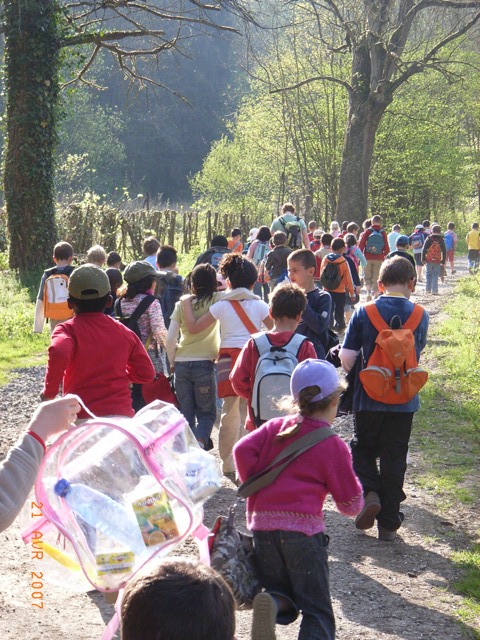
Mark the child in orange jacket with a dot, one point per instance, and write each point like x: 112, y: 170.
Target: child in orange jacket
x: 336, y: 278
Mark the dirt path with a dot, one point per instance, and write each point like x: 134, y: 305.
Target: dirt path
x: 382, y: 591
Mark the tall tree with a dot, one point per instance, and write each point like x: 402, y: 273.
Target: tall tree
x: 36, y: 34
x: 388, y: 42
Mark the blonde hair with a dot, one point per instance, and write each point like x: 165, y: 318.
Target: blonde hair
x: 96, y: 255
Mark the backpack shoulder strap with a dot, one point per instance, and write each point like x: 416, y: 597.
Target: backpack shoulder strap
x: 262, y: 343
x: 375, y: 318
x: 415, y: 318
x: 295, y: 343
x: 141, y: 308
x: 117, y: 307
x: 240, y: 311
x: 284, y: 458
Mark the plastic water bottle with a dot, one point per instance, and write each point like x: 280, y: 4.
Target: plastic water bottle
x: 102, y: 513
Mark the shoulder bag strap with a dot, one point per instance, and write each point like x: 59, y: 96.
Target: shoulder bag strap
x: 284, y: 458
x: 240, y: 311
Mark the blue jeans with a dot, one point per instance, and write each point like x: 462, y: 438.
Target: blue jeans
x: 296, y: 565
x: 432, y: 275
x: 197, y: 394
x: 261, y: 290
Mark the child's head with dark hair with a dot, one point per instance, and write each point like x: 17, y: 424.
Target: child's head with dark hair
x: 350, y: 240
x: 396, y: 270
x: 178, y: 600
x: 219, y: 241
x: 376, y: 219
x: 352, y: 227
x: 264, y: 234
x: 238, y: 270
x: 305, y: 257
x: 62, y: 251
x: 327, y: 240
x: 344, y: 225
x: 203, y: 281
x: 236, y: 232
x: 115, y: 278
x: 279, y: 238
x: 474, y: 225
x: 114, y: 258
x: 312, y: 225
x: 451, y: 226
x: 396, y: 227
x: 426, y: 224
x: 367, y: 223
x: 150, y: 246
x: 436, y: 228
x: 167, y: 257
x: 338, y: 244
x: 287, y: 301
x: 288, y: 207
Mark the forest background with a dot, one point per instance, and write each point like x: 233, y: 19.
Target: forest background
x: 235, y: 124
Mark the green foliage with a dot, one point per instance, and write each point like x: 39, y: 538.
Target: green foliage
x: 469, y: 584
x: 19, y: 346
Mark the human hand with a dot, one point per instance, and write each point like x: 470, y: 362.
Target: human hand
x: 54, y: 416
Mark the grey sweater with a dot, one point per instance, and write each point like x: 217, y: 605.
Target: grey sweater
x: 17, y: 474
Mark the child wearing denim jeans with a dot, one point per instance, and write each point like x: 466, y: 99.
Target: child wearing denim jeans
x: 286, y: 517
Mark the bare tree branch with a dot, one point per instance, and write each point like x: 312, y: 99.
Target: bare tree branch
x: 297, y: 85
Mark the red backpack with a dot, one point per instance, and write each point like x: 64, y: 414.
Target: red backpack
x: 434, y: 252
x: 392, y: 374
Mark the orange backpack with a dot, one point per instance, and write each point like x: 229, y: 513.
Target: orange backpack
x: 55, y: 294
x: 392, y: 374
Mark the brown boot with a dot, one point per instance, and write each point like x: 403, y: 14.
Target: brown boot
x: 366, y: 517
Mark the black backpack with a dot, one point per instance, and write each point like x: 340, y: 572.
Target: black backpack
x: 169, y: 289
x: 132, y: 321
x: 293, y: 231
x: 331, y: 276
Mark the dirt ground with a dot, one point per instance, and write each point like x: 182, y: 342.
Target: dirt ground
x: 399, y: 590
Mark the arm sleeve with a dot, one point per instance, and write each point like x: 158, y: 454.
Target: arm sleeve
x: 343, y: 484
x: 139, y: 368
x: 361, y: 258
x: 318, y: 318
x: 157, y: 324
x: 241, y: 374
x: 246, y: 453
x: 307, y: 350
x: 251, y: 249
x: 171, y: 344
x: 363, y: 240
x: 348, y: 277
x: 39, y: 319
x: 59, y: 355
x: 386, y: 247
x: 425, y: 248
x: 17, y: 475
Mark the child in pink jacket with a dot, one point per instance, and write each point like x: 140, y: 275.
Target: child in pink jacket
x: 286, y: 517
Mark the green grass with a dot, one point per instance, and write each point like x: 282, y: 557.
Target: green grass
x: 447, y: 428
x: 19, y: 346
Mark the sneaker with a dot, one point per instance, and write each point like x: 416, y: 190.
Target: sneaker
x: 264, y: 617
x: 386, y: 534
x: 454, y: 271
x: 435, y: 293
x: 366, y: 517
x: 428, y: 292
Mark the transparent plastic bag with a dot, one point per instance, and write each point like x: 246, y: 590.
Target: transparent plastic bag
x: 116, y: 492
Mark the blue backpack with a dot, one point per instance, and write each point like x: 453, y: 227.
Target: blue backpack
x: 375, y: 243
x: 448, y: 237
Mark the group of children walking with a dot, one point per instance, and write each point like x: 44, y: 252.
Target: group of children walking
x: 225, y: 344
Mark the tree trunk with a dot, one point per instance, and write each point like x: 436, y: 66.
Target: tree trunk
x: 32, y: 59
x: 357, y: 154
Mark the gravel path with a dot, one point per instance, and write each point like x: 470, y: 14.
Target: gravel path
x: 381, y: 591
